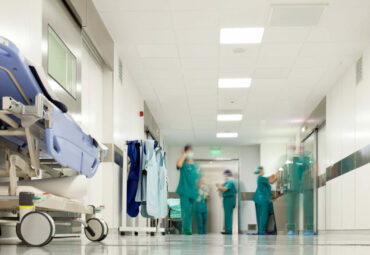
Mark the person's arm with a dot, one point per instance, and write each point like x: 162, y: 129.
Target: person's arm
x: 181, y: 160
x: 273, y: 178
x: 221, y: 188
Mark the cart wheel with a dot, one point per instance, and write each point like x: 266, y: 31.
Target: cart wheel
x: 136, y: 233
x: 96, y: 230
x: 18, y: 231
x: 151, y: 233
x: 36, y: 229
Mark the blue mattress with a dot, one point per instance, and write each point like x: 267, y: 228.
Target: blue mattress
x: 64, y: 141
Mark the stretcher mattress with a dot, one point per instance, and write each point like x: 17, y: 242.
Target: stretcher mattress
x: 65, y: 141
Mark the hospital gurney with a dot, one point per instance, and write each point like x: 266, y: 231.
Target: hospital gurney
x: 38, y: 137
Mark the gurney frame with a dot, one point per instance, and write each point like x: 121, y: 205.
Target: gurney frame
x: 20, y: 206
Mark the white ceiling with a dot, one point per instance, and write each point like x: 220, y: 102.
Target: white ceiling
x: 172, y: 50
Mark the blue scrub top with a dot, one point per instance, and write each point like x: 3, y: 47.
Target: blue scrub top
x: 188, y: 181
x: 231, y: 190
x: 263, y: 192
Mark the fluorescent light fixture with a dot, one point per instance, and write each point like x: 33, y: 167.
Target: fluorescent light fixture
x: 250, y: 35
x: 234, y: 83
x: 227, y: 135
x: 229, y: 117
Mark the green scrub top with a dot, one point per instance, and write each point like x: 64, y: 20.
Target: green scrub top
x: 263, y: 192
x: 231, y: 190
x: 188, y: 181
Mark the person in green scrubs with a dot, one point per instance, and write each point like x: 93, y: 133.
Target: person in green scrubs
x: 187, y: 188
x: 262, y: 199
x: 228, y: 190
x: 201, y: 207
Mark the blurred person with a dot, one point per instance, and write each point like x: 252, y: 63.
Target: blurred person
x: 228, y: 190
x: 187, y: 188
x: 262, y: 199
x: 201, y: 207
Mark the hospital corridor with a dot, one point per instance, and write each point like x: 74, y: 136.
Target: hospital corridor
x: 185, y: 127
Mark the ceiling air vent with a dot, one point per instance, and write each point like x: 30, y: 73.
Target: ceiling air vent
x: 359, y: 71
x: 301, y: 15
x: 120, y: 71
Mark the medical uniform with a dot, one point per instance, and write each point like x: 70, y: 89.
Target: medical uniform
x: 262, y: 199
x: 188, y: 192
x: 201, y: 209
x: 229, y: 204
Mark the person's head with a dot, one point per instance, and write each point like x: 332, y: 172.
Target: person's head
x: 228, y: 174
x: 259, y: 171
x: 188, y: 149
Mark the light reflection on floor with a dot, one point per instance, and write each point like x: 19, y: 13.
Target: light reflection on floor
x: 333, y: 243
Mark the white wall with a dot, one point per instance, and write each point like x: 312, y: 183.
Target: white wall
x: 128, y: 103
x: 273, y: 156
x: 21, y: 23
x: 347, y: 130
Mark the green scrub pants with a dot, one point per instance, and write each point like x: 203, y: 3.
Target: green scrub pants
x: 262, y: 213
x: 308, y: 209
x: 202, y: 222
x: 187, y: 211
x: 229, y: 205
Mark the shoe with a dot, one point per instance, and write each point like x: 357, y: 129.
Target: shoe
x: 267, y: 234
x: 309, y: 233
x: 189, y: 233
x: 226, y: 233
x: 290, y: 233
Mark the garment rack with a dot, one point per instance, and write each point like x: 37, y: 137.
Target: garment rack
x: 123, y: 229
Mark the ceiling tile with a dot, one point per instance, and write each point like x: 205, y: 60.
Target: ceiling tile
x: 286, y: 35
x: 250, y: 17
x: 280, y: 49
x: 157, y: 50
x: 267, y: 61
x: 200, y: 73
x: 239, y: 50
x: 154, y: 36
x: 167, y: 83
x: 194, y: 5
x: 201, y: 83
x: 237, y: 61
x: 195, y: 19
x: 270, y: 73
x: 210, y: 62
x: 237, y: 72
x: 197, y: 36
x: 198, y: 50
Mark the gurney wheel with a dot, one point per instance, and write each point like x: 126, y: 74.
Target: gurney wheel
x: 18, y: 231
x: 36, y: 229
x: 96, y: 230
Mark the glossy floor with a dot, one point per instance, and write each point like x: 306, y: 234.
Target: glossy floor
x: 337, y: 243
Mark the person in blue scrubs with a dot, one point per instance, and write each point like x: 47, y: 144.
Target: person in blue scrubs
x: 201, y: 207
x: 262, y: 199
x: 228, y: 190
x: 187, y: 188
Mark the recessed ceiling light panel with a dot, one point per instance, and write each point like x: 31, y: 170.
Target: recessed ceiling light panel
x: 234, y: 83
x: 250, y: 35
x: 227, y: 135
x: 229, y: 117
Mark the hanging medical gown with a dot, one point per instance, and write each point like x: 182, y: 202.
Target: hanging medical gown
x: 156, y: 189
x: 133, y: 153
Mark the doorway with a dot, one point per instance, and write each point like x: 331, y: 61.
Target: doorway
x: 212, y: 171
